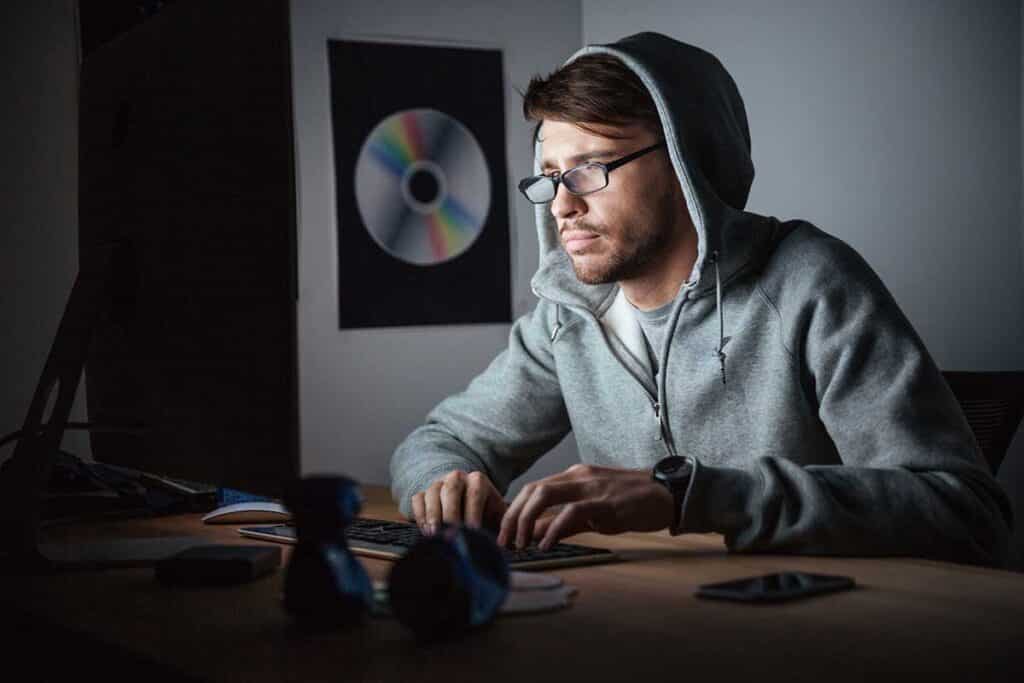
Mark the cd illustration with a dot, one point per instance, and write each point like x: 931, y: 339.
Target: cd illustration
x: 422, y: 186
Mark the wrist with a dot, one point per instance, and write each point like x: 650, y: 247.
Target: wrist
x: 666, y: 506
x: 720, y: 500
x: 675, y: 475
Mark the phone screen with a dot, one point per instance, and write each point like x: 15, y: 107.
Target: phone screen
x: 775, y: 587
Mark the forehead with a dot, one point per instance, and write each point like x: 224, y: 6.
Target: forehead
x: 563, y: 143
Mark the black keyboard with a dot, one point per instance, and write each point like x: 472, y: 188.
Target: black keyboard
x: 390, y: 540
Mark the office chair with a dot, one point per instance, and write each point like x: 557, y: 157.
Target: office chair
x: 993, y: 403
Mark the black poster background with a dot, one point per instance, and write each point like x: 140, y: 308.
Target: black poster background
x: 369, y: 82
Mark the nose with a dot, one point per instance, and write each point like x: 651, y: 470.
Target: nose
x: 566, y: 205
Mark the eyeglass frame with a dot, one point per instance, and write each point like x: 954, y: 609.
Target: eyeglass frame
x: 556, y: 177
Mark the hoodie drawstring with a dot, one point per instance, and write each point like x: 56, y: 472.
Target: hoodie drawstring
x: 722, y: 339
x: 558, y: 323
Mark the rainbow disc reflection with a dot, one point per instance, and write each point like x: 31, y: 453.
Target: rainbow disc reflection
x: 422, y: 186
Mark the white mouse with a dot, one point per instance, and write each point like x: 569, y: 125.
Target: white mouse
x: 248, y: 512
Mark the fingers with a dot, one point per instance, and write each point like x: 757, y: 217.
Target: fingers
x: 453, y: 487
x: 432, y: 507
x: 457, y: 497
x: 481, y: 499
x: 586, y: 491
x: 419, y: 510
x: 540, y: 529
x: 494, y: 510
x: 576, y: 482
x: 525, y: 518
x: 573, y: 519
x: 531, y: 502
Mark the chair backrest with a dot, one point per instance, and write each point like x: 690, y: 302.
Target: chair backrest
x: 993, y: 403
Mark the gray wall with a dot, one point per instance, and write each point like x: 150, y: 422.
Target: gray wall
x: 897, y: 127
x: 362, y: 391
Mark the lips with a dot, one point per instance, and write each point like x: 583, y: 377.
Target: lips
x: 576, y: 240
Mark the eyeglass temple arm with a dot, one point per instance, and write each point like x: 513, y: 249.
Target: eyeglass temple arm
x: 629, y: 157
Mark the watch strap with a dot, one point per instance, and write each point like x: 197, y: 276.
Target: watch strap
x: 680, y: 512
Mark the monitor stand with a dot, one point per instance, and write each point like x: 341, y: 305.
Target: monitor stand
x: 25, y: 476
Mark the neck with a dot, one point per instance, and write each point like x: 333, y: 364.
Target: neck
x: 661, y: 280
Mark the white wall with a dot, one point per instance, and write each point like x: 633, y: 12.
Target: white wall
x: 895, y: 126
x: 363, y: 391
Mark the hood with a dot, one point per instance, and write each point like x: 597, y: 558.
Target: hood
x: 708, y: 141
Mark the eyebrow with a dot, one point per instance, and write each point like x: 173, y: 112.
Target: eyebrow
x: 577, y: 159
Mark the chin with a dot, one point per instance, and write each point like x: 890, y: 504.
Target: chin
x: 594, y: 274
x: 589, y: 279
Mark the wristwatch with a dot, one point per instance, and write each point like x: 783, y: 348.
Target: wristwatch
x: 676, y: 474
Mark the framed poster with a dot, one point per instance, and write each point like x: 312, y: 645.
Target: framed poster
x: 421, y: 186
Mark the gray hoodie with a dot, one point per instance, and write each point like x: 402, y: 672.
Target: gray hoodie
x: 820, y: 422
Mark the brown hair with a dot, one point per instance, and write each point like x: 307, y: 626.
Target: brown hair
x: 594, y: 89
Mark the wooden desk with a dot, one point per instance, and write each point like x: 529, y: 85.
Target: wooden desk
x: 637, y: 620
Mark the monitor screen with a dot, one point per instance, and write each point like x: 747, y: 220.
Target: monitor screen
x: 186, y: 163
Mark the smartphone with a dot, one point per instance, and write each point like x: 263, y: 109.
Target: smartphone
x: 775, y: 587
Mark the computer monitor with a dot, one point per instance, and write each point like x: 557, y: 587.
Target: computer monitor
x: 186, y: 165
x: 183, y: 315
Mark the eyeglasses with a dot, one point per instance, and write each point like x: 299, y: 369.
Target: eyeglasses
x: 578, y: 180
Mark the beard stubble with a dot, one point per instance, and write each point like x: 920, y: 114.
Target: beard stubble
x: 638, y: 248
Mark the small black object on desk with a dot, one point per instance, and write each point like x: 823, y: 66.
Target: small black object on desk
x: 448, y: 583
x: 218, y: 565
x: 325, y: 585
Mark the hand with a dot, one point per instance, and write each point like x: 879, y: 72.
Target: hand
x: 601, y: 499
x: 458, y: 497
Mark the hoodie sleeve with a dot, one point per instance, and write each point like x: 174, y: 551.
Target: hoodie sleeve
x: 507, y: 418
x: 912, y: 482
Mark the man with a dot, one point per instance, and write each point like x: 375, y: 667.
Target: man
x: 721, y: 371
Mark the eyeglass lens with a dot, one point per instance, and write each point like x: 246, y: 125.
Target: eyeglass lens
x: 580, y: 180
x: 585, y: 178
